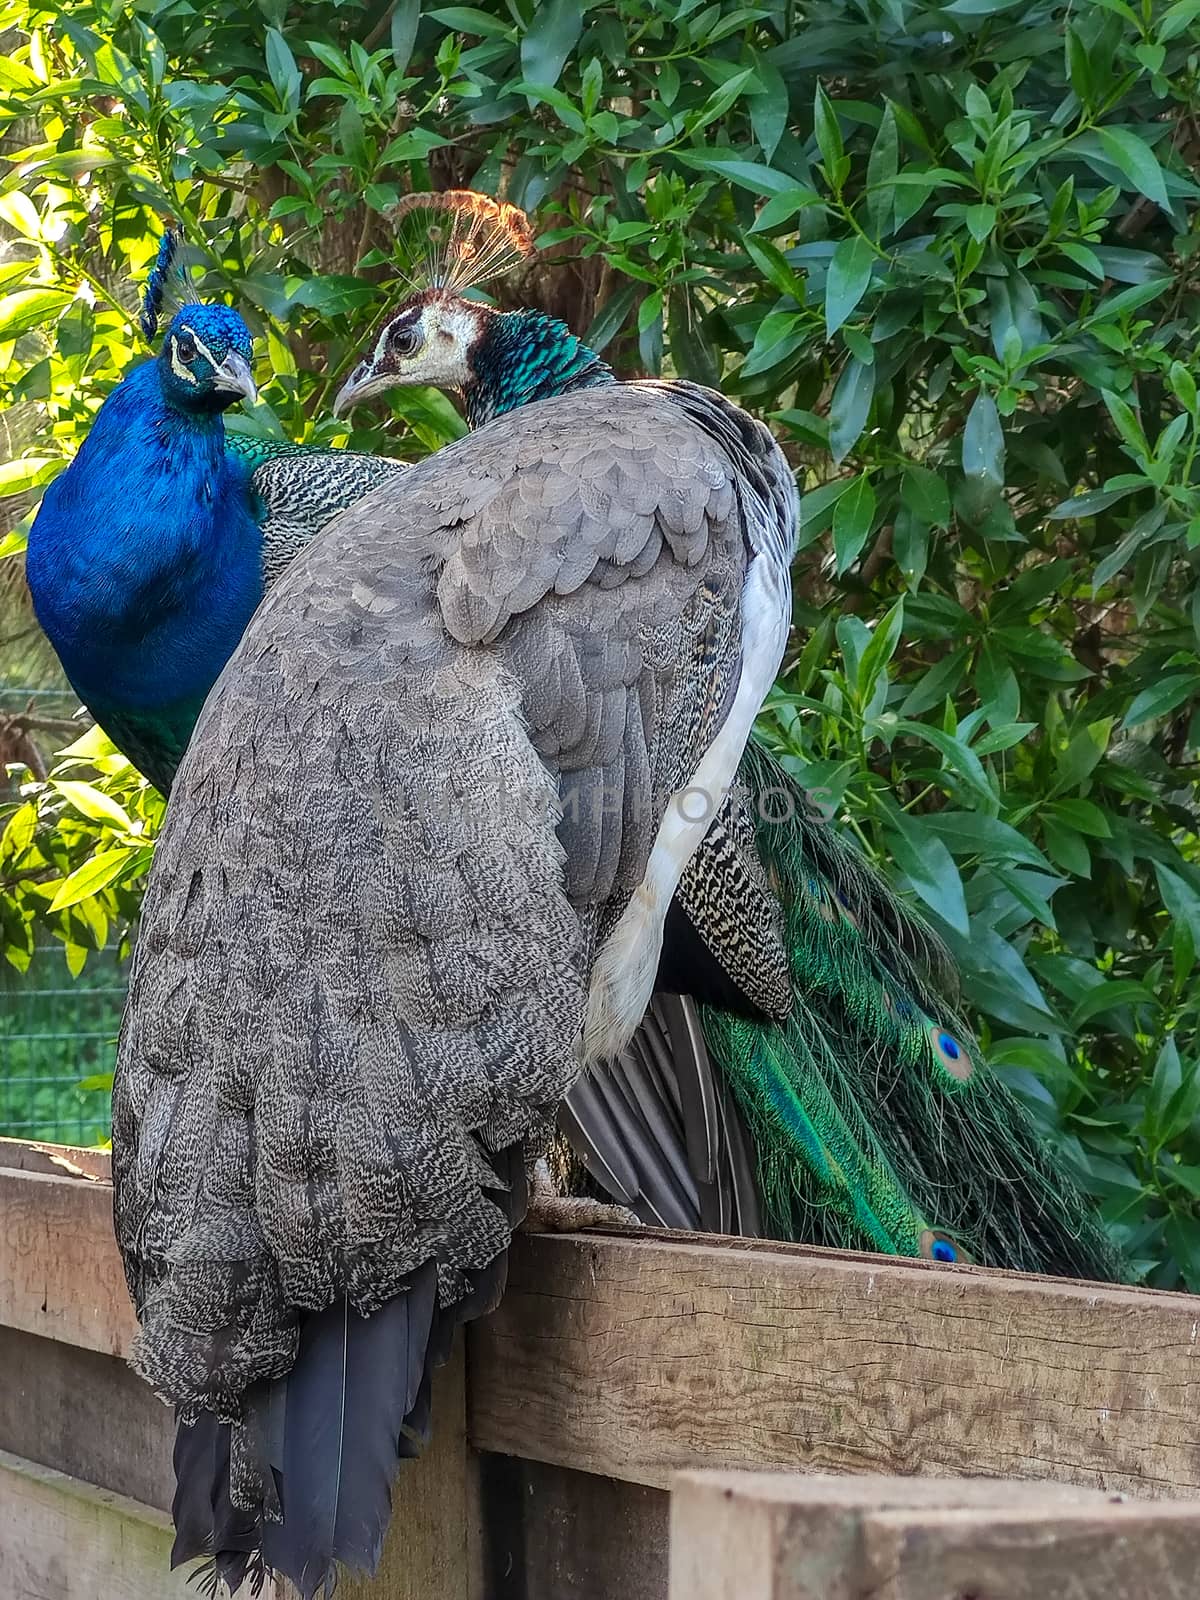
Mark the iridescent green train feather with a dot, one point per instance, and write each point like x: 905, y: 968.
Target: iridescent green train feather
x: 878, y: 1124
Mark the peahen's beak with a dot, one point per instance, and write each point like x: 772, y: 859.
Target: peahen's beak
x: 361, y: 383
x: 234, y: 377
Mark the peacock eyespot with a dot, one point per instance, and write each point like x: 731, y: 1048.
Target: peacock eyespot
x: 936, y: 1246
x: 186, y: 346
x: 950, y: 1053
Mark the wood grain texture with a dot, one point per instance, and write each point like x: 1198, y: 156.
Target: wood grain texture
x: 56, y: 1160
x: 60, y: 1276
x: 58, y: 1407
x: 66, y: 1540
x: 754, y: 1536
x: 633, y: 1357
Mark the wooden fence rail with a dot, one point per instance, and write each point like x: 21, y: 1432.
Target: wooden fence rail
x: 614, y: 1362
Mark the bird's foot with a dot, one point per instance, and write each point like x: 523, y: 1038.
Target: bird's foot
x: 551, y: 1212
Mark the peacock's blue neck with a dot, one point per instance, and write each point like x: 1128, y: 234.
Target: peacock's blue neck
x: 145, y: 560
x: 524, y: 356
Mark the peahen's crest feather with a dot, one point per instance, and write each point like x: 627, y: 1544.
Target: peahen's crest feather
x: 457, y: 240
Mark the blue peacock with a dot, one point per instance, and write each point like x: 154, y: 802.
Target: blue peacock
x: 803, y: 1072
x: 151, y: 551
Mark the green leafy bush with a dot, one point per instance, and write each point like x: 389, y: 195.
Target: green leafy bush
x: 950, y: 252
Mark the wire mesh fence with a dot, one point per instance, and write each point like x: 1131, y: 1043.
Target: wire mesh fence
x: 58, y: 1034
x: 58, y: 1040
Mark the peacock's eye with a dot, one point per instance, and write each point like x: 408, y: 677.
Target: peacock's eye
x: 186, y: 346
x: 403, y: 341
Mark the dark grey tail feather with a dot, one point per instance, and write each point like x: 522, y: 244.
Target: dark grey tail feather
x: 658, y: 1130
x: 354, y: 1383
x: 207, y: 1523
x: 333, y: 1432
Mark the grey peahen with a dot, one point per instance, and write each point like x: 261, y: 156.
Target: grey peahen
x: 412, y: 880
x: 873, y: 1120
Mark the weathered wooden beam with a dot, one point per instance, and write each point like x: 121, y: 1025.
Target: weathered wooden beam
x: 60, y: 1275
x: 633, y: 1356
x: 780, y: 1536
x: 68, y: 1540
x: 629, y: 1356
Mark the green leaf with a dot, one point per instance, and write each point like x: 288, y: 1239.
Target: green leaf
x: 847, y: 280
x: 610, y: 318
x: 406, y: 18
x: 769, y: 110
x: 983, y: 441
x: 1136, y: 161
x: 1162, y: 697
x: 930, y: 868
x: 94, y: 803
x: 748, y: 174
x: 551, y: 37
x: 16, y: 477
x: 885, y: 636
x: 1094, y: 500
x: 852, y: 520
x: 1107, y: 996
x: 96, y: 873
x: 1126, y: 422
x: 26, y: 309
x: 282, y: 68
x: 829, y: 135
x: 850, y: 408
x: 881, y: 175
x: 980, y: 221
x: 926, y: 495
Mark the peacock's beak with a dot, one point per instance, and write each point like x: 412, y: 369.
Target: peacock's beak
x: 234, y: 377
x: 360, y: 385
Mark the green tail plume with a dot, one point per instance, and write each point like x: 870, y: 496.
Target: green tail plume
x: 877, y: 1122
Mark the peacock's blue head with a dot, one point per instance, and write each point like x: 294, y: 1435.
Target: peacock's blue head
x: 204, y: 363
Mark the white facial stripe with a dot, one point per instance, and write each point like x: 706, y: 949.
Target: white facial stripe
x: 205, y: 351
x: 380, y: 344
x: 177, y: 366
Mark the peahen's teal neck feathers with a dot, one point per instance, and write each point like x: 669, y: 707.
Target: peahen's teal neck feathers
x: 524, y: 356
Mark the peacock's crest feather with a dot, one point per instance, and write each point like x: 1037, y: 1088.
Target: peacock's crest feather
x: 168, y: 285
x: 458, y: 240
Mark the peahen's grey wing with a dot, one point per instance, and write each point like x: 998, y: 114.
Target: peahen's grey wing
x: 422, y: 826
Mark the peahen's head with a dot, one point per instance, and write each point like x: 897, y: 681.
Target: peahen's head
x: 497, y: 360
x: 431, y: 338
x: 204, y: 363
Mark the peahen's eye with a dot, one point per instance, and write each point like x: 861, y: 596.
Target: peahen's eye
x: 402, y: 341
x: 186, y: 346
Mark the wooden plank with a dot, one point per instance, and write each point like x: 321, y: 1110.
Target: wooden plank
x: 60, y: 1275
x: 750, y: 1536
x: 61, y: 1539
x: 56, y: 1160
x: 633, y: 1357
x: 554, y: 1534
x: 58, y: 1405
